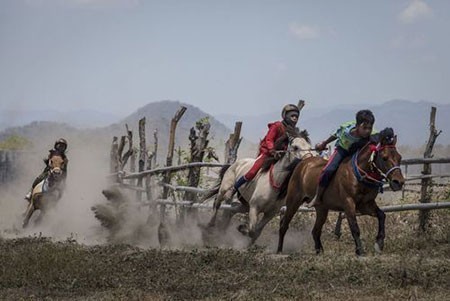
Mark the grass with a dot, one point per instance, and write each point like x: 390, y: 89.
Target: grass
x: 413, y: 266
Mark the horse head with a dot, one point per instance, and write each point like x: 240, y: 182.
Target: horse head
x: 386, y: 159
x: 57, y: 166
x: 300, y: 145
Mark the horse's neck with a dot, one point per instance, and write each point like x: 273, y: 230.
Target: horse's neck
x: 52, y: 183
x: 280, y: 167
x: 363, y: 159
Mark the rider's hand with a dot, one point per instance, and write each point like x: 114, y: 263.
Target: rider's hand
x: 275, y: 154
x: 321, y: 146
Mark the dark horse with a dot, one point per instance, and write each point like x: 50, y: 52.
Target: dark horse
x: 49, y: 190
x: 353, y: 188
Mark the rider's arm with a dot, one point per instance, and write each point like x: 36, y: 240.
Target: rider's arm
x: 323, y: 145
x: 271, y: 136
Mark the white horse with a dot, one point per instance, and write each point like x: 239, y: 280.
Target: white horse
x: 265, y: 193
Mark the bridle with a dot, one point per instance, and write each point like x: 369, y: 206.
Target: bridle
x: 364, y: 176
x: 375, y: 149
x: 290, y: 149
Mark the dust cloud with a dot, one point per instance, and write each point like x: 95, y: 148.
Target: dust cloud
x: 72, y: 217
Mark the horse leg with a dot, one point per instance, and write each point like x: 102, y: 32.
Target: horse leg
x: 216, y: 206
x: 354, y: 228
x: 338, y: 227
x: 379, y: 244
x: 292, y: 205
x: 28, y: 213
x: 241, y: 207
x: 321, y: 217
x: 249, y: 229
x: 267, y: 217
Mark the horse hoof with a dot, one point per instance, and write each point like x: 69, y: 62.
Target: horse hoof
x: 378, y: 247
x: 243, y: 229
x: 360, y: 253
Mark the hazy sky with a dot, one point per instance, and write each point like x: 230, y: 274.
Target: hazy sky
x: 242, y: 57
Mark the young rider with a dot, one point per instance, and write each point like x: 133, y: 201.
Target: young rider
x: 289, y: 114
x: 350, y: 137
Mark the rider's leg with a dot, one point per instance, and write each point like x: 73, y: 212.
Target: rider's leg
x: 327, y: 174
x: 38, y: 179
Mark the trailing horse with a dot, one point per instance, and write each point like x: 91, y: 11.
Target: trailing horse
x: 353, y: 189
x: 49, y: 190
x: 265, y: 193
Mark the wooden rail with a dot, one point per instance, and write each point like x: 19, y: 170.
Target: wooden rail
x: 393, y: 208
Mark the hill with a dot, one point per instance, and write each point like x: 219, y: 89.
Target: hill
x: 158, y: 116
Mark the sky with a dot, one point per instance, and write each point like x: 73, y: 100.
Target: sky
x: 225, y: 57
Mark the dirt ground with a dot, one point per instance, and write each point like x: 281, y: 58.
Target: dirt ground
x: 413, y: 266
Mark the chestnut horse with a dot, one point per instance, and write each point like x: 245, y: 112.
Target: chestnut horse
x: 49, y: 190
x: 353, y: 189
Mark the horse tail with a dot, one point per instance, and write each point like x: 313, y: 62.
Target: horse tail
x: 215, y: 189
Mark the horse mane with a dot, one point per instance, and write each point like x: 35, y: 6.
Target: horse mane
x: 293, y: 132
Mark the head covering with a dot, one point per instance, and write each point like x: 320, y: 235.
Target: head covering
x: 289, y: 108
x: 61, y: 144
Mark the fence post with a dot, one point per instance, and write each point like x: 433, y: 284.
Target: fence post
x: 149, y: 177
x: 114, y: 165
x: 163, y: 234
x: 155, y: 146
x: 142, y: 154
x: 129, y: 152
x: 425, y: 183
x: 232, y: 144
x: 167, y: 176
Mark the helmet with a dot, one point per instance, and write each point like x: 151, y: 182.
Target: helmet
x: 61, y: 144
x: 289, y: 108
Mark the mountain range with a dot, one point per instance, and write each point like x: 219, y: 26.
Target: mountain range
x: 158, y: 116
x: 409, y: 119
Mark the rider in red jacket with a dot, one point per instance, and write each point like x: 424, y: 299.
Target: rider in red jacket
x: 267, y: 145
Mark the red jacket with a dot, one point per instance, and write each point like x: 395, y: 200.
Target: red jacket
x: 276, y: 130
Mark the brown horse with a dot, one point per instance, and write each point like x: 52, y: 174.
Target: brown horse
x: 49, y: 190
x: 353, y: 189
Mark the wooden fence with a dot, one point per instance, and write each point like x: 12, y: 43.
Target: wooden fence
x: 8, y: 165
